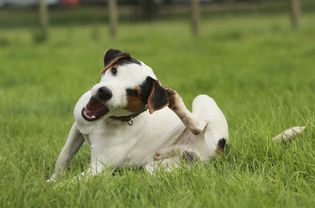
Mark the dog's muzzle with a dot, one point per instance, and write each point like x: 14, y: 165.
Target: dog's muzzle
x: 94, y: 110
x: 95, y: 107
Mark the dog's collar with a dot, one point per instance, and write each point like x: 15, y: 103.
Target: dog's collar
x: 129, y: 118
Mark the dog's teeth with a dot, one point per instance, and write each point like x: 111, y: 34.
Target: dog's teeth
x: 87, y: 115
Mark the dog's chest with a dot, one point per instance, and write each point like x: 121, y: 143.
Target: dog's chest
x: 110, y: 144
x: 135, y: 145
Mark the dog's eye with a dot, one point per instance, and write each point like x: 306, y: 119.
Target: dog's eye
x: 132, y: 93
x: 114, y: 71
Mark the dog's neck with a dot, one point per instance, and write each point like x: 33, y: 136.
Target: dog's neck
x: 128, y: 118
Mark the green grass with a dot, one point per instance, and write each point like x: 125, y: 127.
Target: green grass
x: 260, y: 72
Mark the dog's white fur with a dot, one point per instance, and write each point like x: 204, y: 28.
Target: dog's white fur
x: 153, y: 138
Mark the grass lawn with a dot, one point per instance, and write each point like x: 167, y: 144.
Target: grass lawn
x: 260, y: 72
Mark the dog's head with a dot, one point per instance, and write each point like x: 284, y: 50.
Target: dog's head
x: 127, y: 85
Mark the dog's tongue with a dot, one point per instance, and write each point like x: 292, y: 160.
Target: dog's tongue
x: 94, y: 110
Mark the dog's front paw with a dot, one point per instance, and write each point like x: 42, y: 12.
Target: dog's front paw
x: 52, y: 179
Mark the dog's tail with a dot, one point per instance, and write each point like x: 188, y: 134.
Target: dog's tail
x: 288, y: 134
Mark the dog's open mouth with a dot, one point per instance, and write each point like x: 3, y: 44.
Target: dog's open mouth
x: 94, y: 110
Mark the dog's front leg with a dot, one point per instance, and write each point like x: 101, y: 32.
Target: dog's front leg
x: 74, y: 142
x: 177, y: 104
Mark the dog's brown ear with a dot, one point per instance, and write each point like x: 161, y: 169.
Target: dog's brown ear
x: 112, y: 56
x: 153, y: 94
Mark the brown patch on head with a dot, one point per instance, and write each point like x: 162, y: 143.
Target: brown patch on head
x: 134, y: 101
x: 149, y: 93
x: 134, y: 104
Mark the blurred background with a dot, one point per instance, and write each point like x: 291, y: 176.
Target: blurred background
x: 45, y: 13
x: 52, y: 50
x: 55, y: 47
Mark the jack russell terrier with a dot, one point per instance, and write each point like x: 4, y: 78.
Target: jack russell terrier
x: 130, y: 120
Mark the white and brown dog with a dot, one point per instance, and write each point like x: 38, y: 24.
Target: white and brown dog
x: 125, y: 121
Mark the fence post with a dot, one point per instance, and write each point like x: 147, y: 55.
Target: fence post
x: 113, y: 18
x: 295, y: 13
x: 43, y: 17
x: 195, y: 17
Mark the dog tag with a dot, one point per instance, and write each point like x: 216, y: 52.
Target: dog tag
x: 130, y: 122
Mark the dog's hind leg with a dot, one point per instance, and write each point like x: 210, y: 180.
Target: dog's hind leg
x: 190, y: 120
x: 206, y: 117
x: 215, y: 135
x: 167, y: 164
x: 181, y: 151
x: 74, y: 142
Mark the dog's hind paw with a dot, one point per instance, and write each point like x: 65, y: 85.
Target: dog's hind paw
x: 173, y: 98
x: 190, y: 156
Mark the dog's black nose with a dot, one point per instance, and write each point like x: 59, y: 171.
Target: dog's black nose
x: 104, y: 93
